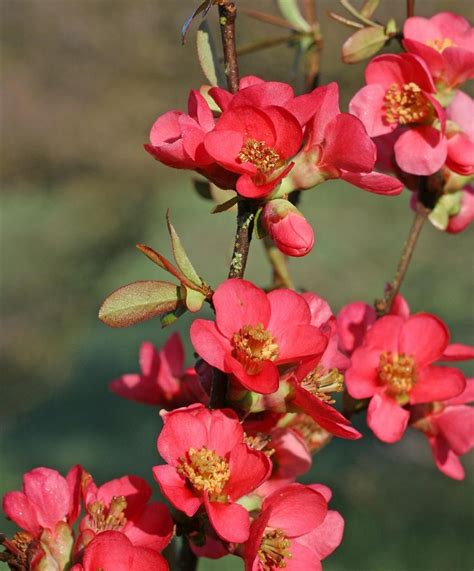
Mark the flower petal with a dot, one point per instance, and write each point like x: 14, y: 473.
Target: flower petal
x: 437, y: 384
x: 422, y: 150
x: 231, y: 522
x: 425, y: 337
x: 174, y: 488
x: 386, y: 418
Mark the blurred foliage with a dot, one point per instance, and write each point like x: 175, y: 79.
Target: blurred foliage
x: 84, y: 82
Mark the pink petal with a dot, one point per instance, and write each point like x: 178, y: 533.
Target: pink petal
x: 319, y: 308
x: 19, y: 509
x: 353, y: 321
x: 388, y: 69
x: 74, y: 481
x: 251, y: 122
x: 302, y: 557
x: 446, y: 460
x: 181, y: 432
x: 461, y: 111
x: 138, y: 388
x: 199, y: 110
x: 238, y: 303
x: 348, y: 146
x: 300, y: 342
x: 209, y: 343
x: 437, y: 384
x: 109, y: 550
x: 420, y: 29
x: 362, y: 376
x: 458, y: 352
x: 149, y: 359
x: 248, y: 469
x: 425, y: 337
x: 286, y: 304
x: 385, y: 333
x: 459, y: 65
x: 231, y: 522
x: 325, y: 108
x: 225, y: 147
x: 262, y: 94
x: 248, y: 187
x: 136, y: 491
x: 456, y: 423
x: 288, y: 131
x: 327, y: 537
x: 291, y: 454
x: 433, y: 59
x: 374, y: 182
x: 265, y: 382
x: 221, y: 96
x: 400, y: 307
x: 466, y: 396
x: 386, y: 418
x: 153, y: 528
x: 421, y: 150
x: 460, y: 154
x: 367, y: 105
x: 174, y: 488
x: 224, y: 430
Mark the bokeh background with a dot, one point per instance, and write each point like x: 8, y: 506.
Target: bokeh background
x: 83, y: 81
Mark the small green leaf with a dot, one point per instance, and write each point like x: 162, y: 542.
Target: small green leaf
x: 207, y: 56
x: 363, y: 44
x: 439, y: 216
x: 194, y: 300
x: 369, y: 7
x: 180, y: 256
x: 172, y: 316
x: 291, y: 11
x: 138, y: 302
x: 227, y: 205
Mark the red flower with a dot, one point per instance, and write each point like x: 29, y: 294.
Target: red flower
x: 394, y: 367
x: 208, y: 463
x: 163, y: 380
x: 287, y: 227
x: 460, y: 133
x: 449, y: 427
x: 122, y: 505
x: 113, y: 551
x: 446, y: 43
x: 294, y: 531
x: 254, y: 332
x: 398, y: 97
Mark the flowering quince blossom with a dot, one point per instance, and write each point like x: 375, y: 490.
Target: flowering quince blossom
x: 446, y: 44
x: 208, y: 463
x: 399, y: 98
x: 294, y: 530
x: 337, y: 146
x: 460, y: 133
x: 287, y: 227
x: 449, y: 428
x: 122, y: 505
x: 163, y: 380
x: 113, y: 551
x: 254, y: 332
x: 394, y: 367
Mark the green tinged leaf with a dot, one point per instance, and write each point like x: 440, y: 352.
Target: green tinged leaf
x: 439, y: 216
x: 180, y: 256
x: 161, y: 261
x: 207, y: 56
x: 290, y: 10
x: 138, y: 302
x: 194, y: 300
x: 363, y: 44
x: 172, y: 316
x: 369, y: 7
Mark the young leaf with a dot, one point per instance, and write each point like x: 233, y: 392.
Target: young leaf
x: 161, y: 261
x: 138, y: 302
x: 369, y: 8
x: 172, y: 316
x: 290, y: 10
x: 180, y: 256
x: 363, y: 44
x: 207, y: 56
x: 204, y: 8
x: 194, y: 300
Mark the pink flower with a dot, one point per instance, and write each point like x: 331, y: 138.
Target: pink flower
x: 394, y: 367
x: 295, y: 530
x: 337, y: 146
x: 254, y: 332
x: 208, y: 464
x: 399, y: 97
x: 47, y: 499
x: 449, y: 428
x: 122, y: 505
x: 460, y: 133
x: 113, y: 551
x: 446, y: 44
x: 163, y: 380
x: 287, y: 227
x: 460, y: 221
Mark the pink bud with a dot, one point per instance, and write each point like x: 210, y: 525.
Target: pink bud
x: 287, y: 227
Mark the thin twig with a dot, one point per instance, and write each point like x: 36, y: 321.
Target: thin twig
x: 227, y: 17
x: 410, y: 8
x: 344, y: 20
x: 270, y: 19
x: 278, y: 261
x: 383, y: 305
x: 243, y: 235
x: 269, y: 43
x: 313, y: 52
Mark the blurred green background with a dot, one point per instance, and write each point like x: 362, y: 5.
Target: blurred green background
x: 83, y: 82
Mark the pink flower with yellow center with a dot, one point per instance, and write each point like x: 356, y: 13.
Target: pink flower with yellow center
x: 255, y: 332
x: 394, y: 368
x: 446, y: 44
x: 209, y: 464
x: 399, y: 98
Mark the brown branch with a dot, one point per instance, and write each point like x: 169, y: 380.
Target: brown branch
x: 227, y: 17
x: 313, y: 52
x: 269, y: 43
x: 410, y: 8
x: 243, y: 235
x: 383, y: 306
x: 270, y: 19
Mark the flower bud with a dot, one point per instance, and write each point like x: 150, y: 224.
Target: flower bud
x: 287, y: 227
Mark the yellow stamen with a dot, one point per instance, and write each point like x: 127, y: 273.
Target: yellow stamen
x: 256, y: 152
x: 407, y: 104
x: 260, y: 441
x: 322, y: 383
x: 111, y: 518
x: 314, y: 435
x: 205, y: 470
x: 274, y: 549
x: 253, y: 345
x: 398, y: 371
x: 440, y: 44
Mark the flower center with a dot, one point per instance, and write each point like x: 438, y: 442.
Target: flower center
x: 111, y: 518
x: 314, y: 435
x: 253, y: 345
x: 261, y: 442
x: 321, y: 384
x: 440, y: 44
x: 406, y: 104
x: 205, y: 470
x: 274, y: 549
x: 398, y: 372
x: 256, y: 152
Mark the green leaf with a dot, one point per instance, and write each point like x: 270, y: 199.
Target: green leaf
x: 138, y: 302
x: 194, y: 300
x: 369, y: 7
x: 204, y: 8
x: 363, y: 44
x: 172, y: 316
x: 180, y: 256
x: 291, y: 11
x: 207, y: 56
x: 439, y: 216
